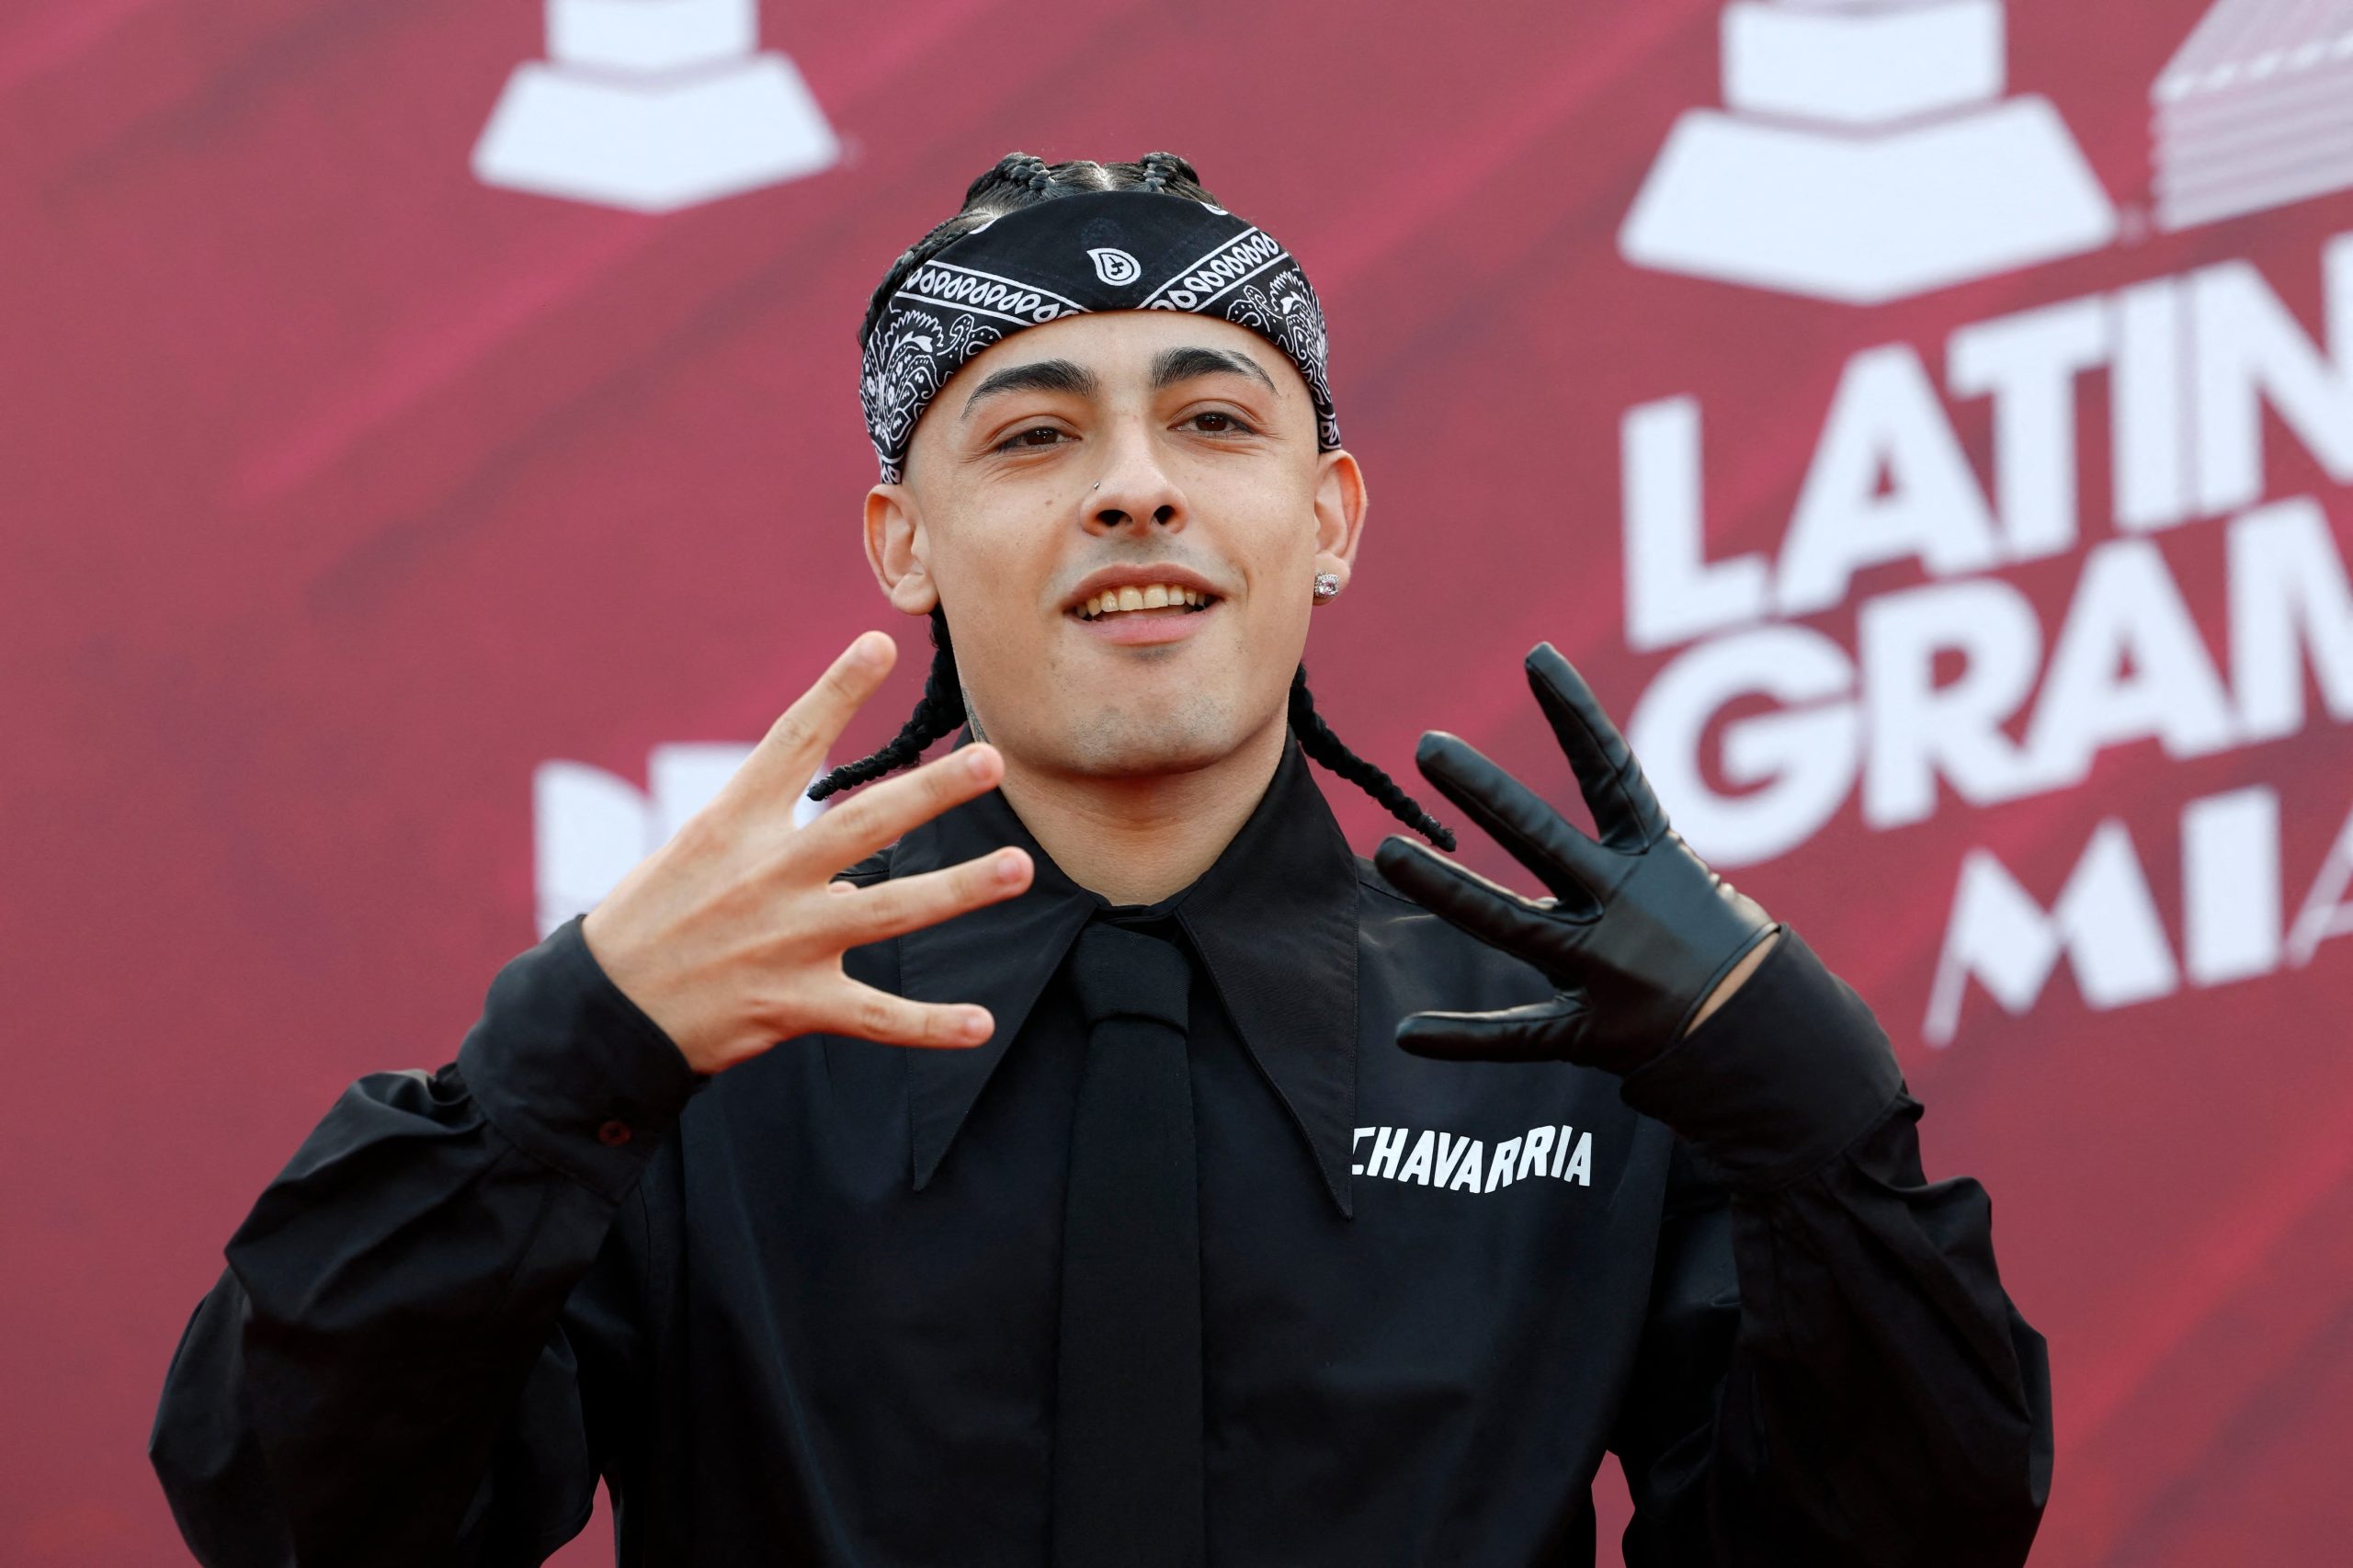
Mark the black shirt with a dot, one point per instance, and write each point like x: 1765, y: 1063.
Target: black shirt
x: 804, y: 1312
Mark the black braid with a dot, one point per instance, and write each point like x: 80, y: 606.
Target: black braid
x: 1316, y: 739
x: 1161, y: 170
x: 941, y: 709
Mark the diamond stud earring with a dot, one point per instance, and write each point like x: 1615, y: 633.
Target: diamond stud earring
x: 1327, y: 586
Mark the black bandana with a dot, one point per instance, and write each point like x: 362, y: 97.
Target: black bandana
x: 1114, y: 250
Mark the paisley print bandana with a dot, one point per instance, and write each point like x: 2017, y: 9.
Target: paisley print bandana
x: 1112, y: 250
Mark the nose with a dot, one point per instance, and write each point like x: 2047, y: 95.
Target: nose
x: 1134, y: 486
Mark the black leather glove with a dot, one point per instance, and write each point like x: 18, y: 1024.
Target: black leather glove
x: 1637, y: 932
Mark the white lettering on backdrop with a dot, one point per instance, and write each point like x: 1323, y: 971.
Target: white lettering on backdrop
x: 1952, y: 683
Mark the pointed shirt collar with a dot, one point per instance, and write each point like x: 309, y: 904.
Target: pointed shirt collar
x: 1274, y: 922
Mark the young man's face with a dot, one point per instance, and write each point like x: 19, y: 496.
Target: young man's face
x: 1123, y: 452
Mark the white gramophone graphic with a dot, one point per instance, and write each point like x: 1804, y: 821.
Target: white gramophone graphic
x: 654, y: 105
x: 1866, y: 153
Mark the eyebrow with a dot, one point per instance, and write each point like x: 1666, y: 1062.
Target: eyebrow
x: 1171, y: 366
x: 1040, y: 375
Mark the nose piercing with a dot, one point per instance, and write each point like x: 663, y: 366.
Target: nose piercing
x: 1327, y: 586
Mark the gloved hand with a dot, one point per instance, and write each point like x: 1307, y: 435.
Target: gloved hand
x: 1637, y: 932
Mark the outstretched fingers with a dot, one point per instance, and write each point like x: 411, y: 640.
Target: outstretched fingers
x: 882, y: 812
x: 910, y: 903
x: 1624, y: 810
x: 1568, y: 863
x: 1467, y: 900
x: 866, y: 1012
x: 787, y: 755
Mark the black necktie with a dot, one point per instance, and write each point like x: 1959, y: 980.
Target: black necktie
x: 1128, y: 1402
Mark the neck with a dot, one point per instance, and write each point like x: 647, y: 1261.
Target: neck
x: 1138, y: 840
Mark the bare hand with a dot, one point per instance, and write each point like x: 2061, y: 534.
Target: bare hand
x: 731, y: 936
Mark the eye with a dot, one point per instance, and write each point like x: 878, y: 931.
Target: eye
x: 1218, y: 422
x: 1036, y: 436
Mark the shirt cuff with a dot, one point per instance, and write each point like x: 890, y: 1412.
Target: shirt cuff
x: 1788, y: 1072
x: 571, y: 1071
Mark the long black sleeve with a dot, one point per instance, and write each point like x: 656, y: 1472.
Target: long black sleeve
x: 1831, y: 1373
x: 391, y: 1369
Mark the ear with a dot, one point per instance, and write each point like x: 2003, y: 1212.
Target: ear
x: 897, y: 549
x: 1340, y: 502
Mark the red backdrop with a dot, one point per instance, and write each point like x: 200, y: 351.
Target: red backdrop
x: 344, y: 491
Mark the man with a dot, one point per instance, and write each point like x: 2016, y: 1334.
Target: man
x: 1017, y: 1164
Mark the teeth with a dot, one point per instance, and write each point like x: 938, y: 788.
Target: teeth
x: 1149, y: 596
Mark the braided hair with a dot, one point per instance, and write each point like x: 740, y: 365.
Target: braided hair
x: 1024, y: 179
x: 1316, y: 739
x: 938, y: 714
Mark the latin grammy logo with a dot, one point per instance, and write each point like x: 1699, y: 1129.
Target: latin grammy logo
x: 1866, y: 153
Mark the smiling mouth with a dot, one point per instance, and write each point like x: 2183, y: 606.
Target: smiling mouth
x: 1144, y: 598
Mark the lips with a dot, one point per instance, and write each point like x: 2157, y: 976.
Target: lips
x: 1132, y: 599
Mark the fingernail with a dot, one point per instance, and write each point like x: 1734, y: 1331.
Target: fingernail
x: 976, y: 763
x: 868, y: 649
x: 976, y: 1027
x: 1009, y: 865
